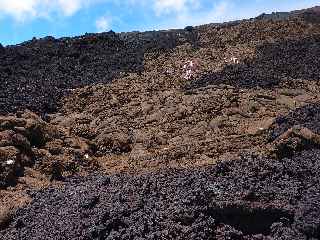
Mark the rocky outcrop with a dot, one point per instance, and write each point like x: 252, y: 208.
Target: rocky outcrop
x: 28, y: 141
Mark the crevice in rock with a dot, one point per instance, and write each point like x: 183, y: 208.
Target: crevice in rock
x: 249, y: 220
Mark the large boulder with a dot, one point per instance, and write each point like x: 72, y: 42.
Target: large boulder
x: 116, y: 142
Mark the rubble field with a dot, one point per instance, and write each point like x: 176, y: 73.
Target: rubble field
x: 117, y: 136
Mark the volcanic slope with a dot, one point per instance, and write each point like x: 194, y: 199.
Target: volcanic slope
x: 230, y: 153
x: 158, y: 119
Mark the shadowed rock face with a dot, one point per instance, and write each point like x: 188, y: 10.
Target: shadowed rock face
x: 274, y: 63
x: 307, y: 116
x: 39, y: 72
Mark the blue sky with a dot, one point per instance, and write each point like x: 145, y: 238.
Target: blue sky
x: 20, y: 20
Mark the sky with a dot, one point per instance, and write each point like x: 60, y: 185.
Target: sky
x: 21, y: 20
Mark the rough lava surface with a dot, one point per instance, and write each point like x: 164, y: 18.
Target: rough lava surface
x: 102, y: 136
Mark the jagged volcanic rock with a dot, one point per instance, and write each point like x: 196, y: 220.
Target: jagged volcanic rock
x: 253, y: 198
x: 231, y: 152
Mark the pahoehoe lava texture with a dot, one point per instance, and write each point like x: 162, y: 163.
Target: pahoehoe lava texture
x: 253, y: 198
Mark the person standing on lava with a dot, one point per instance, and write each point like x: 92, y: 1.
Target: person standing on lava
x: 190, y: 68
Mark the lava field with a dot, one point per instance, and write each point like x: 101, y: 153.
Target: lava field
x: 112, y: 136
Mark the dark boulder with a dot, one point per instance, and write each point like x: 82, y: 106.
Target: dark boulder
x: 189, y: 28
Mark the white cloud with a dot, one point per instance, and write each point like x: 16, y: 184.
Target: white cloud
x: 218, y: 12
x: 171, y: 13
x: 103, y: 23
x: 169, y: 6
x: 18, y: 9
x: 22, y: 10
x: 165, y: 6
x: 70, y: 7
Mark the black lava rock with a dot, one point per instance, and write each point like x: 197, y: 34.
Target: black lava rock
x: 258, y: 199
